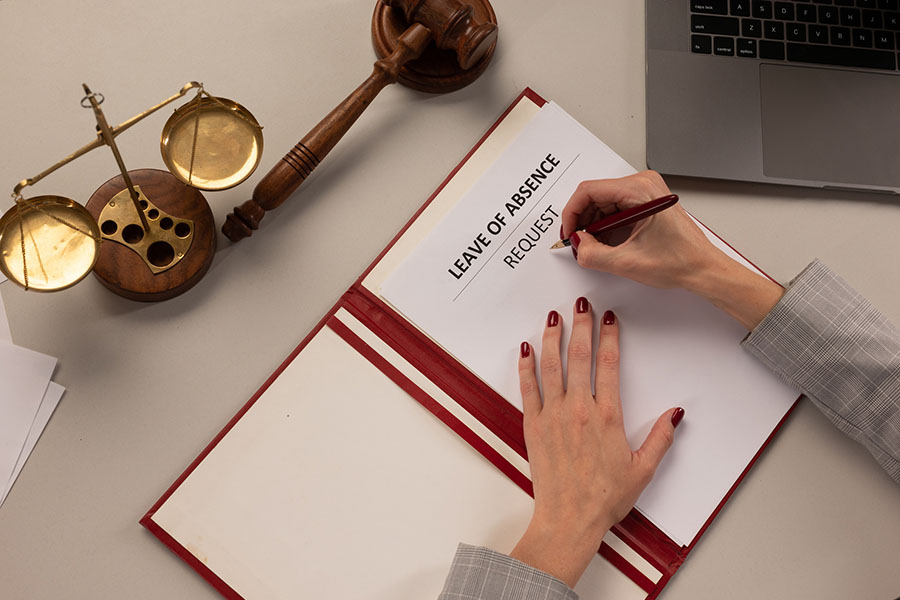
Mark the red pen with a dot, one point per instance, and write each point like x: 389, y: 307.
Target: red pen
x: 626, y: 217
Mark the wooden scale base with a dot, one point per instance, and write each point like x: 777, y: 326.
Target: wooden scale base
x: 123, y: 271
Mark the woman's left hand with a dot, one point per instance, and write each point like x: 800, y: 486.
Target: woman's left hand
x: 586, y: 477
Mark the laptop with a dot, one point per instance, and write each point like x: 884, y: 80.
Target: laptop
x: 801, y: 93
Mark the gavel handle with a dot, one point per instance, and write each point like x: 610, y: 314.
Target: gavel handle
x: 292, y: 170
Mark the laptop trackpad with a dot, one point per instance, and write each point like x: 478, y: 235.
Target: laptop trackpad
x: 830, y: 126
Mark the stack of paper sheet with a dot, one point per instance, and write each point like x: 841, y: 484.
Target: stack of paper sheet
x: 27, y: 399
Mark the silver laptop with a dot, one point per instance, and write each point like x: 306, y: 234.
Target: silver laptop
x: 802, y: 93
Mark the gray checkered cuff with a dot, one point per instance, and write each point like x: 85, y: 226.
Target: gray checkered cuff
x: 480, y: 574
x: 829, y: 342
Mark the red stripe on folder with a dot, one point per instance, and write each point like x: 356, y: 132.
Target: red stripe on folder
x: 433, y: 406
x: 479, y: 400
x: 627, y: 569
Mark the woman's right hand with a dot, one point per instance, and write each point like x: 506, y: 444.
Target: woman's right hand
x: 665, y: 250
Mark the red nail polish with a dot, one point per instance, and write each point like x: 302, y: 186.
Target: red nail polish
x: 582, y: 305
x: 575, y: 240
x: 677, y: 416
x: 553, y: 319
x: 609, y: 318
x: 525, y: 349
x: 562, y: 234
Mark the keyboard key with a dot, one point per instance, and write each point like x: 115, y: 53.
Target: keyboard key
x: 828, y: 15
x: 865, y: 3
x: 850, y: 17
x: 740, y: 8
x: 771, y: 50
x: 818, y: 34
x: 710, y: 7
x: 884, y: 40
x: 862, y: 38
x: 892, y: 21
x: 701, y: 44
x: 774, y: 30
x: 840, y: 36
x: 888, y: 4
x: 723, y: 46
x: 751, y: 28
x: 822, y: 1
x: 784, y: 11
x: 714, y: 25
x: 806, y: 13
x: 872, y: 19
x: 844, y: 2
x: 845, y: 57
x: 796, y: 32
x: 762, y: 9
x: 746, y: 48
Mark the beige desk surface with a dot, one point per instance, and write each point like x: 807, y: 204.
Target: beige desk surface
x: 150, y: 384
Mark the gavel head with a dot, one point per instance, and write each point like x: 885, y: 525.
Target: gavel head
x: 453, y: 26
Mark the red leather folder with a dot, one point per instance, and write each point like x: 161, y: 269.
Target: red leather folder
x: 640, y: 537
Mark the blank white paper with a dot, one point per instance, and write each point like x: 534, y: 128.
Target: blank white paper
x: 24, y: 377
x: 48, y: 404
x: 677, y: 350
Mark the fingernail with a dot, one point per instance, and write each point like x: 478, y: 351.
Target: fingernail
x: 677, y: 416
x: 552, y: 319
x: 525, y: 349
x: 609, y: 318
x: 575, y: 241
x: 582, y: 305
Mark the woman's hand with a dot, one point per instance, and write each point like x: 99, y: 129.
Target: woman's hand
x: 586, y: 477
x: 666, y: 250
x: 663, y: 251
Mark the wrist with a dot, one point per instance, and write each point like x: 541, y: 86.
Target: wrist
x: 729, y: 285
x: 562, y: 549
x: 707, y: 274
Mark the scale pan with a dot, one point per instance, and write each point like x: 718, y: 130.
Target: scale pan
x: 62, y: 242
x: 223, y: 138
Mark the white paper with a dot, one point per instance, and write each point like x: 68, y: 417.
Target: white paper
x: 24, y: 377
x: 677, y: 350
x: 45, y: 411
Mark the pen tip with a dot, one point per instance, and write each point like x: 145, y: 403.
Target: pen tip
x: 558, y: 245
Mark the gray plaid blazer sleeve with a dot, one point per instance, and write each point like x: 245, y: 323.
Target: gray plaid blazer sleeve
x: 830, y: 343
x: 482, y: 574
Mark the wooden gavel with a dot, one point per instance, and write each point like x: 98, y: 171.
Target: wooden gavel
x: 450, y: 23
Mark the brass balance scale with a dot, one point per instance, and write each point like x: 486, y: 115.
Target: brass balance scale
x: 148, y: 234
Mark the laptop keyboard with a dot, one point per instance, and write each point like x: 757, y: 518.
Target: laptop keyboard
x: 848, y: 33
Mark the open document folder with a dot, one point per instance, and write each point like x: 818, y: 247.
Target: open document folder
x: 483, y: 281
x: 331, y: 466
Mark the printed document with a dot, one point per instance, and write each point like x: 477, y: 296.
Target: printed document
x: 484, y: 279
